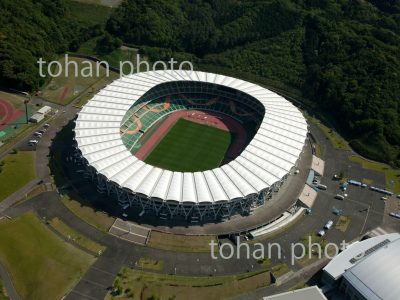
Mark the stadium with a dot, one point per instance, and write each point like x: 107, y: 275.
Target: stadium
x: 188, y: 144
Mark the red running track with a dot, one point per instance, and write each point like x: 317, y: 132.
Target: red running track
x: 209, y: 118
x: 7, y: 113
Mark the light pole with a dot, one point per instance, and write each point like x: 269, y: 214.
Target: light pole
x: 26, y: 101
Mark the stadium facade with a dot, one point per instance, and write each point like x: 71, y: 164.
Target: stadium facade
x: 109, y: 128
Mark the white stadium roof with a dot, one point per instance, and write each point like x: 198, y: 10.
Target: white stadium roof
x: 271, y: 154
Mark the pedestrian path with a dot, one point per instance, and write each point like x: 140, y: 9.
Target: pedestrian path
x: 17, y: 196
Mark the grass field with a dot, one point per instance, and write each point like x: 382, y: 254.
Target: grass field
x: 17, y: 124
x: 17, y: 101
x: 76, y: 237
x: 16, y: 171
x: 42, y: 266
x: 343, y: 223
x: 63, y: 89
x: 190, y: 147
x: 95, y: 218
x: 133, y: 284
x: 150, y: 264
x: 181, y: 243
x: 392, y: 176
x: 312, y: 255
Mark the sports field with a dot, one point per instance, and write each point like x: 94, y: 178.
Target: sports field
x: 190, y: 147
x: 64, y: 89
x: 12, y: 115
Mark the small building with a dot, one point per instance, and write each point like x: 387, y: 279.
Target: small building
x: 308, y: 196
x: 44, y: 110
x: 318, y: 165
x: 40, y: 114
x: 36, y: 118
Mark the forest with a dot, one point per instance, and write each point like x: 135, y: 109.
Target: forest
x: 343, y: 56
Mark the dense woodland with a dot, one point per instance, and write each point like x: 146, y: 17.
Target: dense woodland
x: 342, y: 55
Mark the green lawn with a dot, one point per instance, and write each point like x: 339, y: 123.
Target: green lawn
x: 392, y: 176
x: 134, y: 284
x: 150, y: 264
x: 76, y: 237
x: 42, y: 265
x: 84, y: 211
x: 180, y: 242
x: 16, y: 171
x: 343, y: 223
x: 311, y: 255
x: 190, y: 147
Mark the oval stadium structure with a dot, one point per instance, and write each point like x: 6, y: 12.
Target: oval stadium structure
x: 110, y: 129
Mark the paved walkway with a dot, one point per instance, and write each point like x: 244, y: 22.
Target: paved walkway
x: 11, y: 291
x: 17, y: 196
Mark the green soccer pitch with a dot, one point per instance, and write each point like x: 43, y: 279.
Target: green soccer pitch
x: 190, y: 147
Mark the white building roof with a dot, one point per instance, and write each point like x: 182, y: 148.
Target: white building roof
x: 318, y: 165
x: 44, y: 110
x: 348, y: 258
x: 308, y: 293
x: 377, y: 275
x: 271, y: 154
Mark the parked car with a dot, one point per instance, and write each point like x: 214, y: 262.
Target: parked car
x: 394, y: 215
x: 328, y: 225
x: 339, y: 196
x: 321, y: 232
x: 32, y: 142
x: 46, y: 125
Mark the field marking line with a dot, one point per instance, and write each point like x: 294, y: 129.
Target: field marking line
x: 82, y: 295
x: 127, y: 231
x: 64, y: 93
